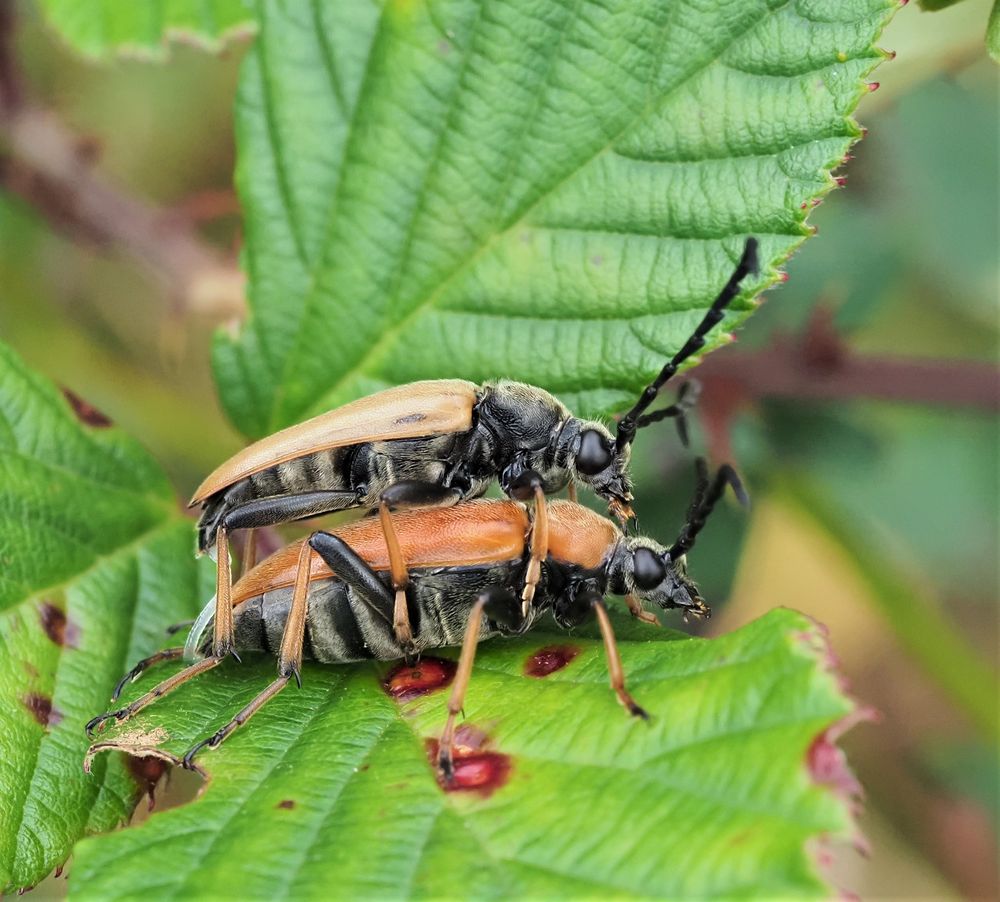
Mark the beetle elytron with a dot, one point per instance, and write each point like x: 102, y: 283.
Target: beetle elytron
x: 431, y: 444
x: 340, y: 607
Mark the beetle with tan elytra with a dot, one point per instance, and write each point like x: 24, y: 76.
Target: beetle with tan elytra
x: 329, y: 597
x: 432, y: 444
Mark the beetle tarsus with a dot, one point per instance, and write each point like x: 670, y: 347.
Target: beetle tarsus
x: 178, y: 627
x: 634, y: 709
x: 446, y: 765
x: 187, y: 762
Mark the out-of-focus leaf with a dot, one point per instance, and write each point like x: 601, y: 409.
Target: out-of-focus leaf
x: 95, y: 561
x: 993, y: 32
x: 916, y: 618
x: 103, y: 28
x: 552, y: 194
x: 933, y: 6
x: 713, y: 797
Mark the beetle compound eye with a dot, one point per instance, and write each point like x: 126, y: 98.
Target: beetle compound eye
x: 649, y: 570
x: 594, y: 454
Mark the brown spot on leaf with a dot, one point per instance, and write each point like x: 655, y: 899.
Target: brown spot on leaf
x: 147, y: 771
x: 550, y: 659
x: 287, y: 804
x: 30, y: 669
x: 57, y: 627
x: 41, y: 709
x: 85, y: 412
x: 406, y: 682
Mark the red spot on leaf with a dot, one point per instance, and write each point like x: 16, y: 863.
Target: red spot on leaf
x: 41, y: 709
x: 147, y: 772
x: 286, y: 804
x: 85, y: 412
x: 550, y: 659
x: 477, y: 770
x: 406, y: 682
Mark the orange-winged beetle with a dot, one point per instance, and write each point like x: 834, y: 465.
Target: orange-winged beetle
x: 432, y: 444
x: 329, y: 597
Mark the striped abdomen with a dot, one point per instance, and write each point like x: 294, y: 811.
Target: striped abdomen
x: 341, y: 628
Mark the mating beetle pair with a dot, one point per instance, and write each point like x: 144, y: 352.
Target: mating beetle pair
x: 433, y: 444
x: 462, y: 560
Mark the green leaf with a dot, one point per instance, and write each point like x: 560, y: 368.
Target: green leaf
x: 552, y: 193
x: 993, y: 32
x: 96, y: 561
x: 103, y: 28
x: 328, y: 792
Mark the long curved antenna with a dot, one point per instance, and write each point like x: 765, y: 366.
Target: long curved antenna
x: 630, y: 423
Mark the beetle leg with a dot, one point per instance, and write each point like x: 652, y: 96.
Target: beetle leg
x: 175, y: 628
x: 538, y: 548
x: 249, y: 552
x: 345, y: 562
x: 639, y: 612
x: 400, y: 583
x: 271, y: 511
x: 167, y: 654
x: 527, y: 486
x: 290, y: 654
x: 222, y: 640
x: 216, y: 739
x: 167, y: 686
x: 414, y: 493
x: 614, y: 660
x: 501, y: 605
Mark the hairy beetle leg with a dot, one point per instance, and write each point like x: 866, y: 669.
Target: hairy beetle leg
x: 289, y: 657
x: 614, y: 660
x: 164, y: 688
x: 222, y: 639
x: 400, y: 583
x: 290, y: 654
x: 219, y: 736
x: 167, y: 654
x: 525, y: 487
x: 499, y: 604
x: 636, y: 609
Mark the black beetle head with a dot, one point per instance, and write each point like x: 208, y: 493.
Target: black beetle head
x: 646, y: 570
x: 600, y: 464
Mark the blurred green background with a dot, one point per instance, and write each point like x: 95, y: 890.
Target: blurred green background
x: 878, y: 518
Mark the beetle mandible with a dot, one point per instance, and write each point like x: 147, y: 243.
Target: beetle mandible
x: 329, y: 597
x: 432, y: 444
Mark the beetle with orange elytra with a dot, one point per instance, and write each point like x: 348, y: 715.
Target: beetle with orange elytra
x: 330, y: 598
x: 432, y: 444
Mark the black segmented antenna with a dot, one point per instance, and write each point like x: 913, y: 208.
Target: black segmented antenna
x: 633, y: 420
x: 706, y: 496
